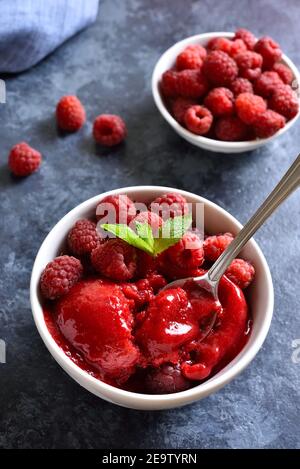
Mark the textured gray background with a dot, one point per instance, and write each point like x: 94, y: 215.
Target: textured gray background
x: 109, y: 66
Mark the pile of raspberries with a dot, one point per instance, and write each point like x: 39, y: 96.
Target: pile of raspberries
x: 108, y: 130
x: 232, y: 89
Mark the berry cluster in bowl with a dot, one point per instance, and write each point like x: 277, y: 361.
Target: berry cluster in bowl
x: 232, y: 89
x: 105, y: 306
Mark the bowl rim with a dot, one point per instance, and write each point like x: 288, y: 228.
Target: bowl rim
x: 218, y: 144
x: 128, y: 398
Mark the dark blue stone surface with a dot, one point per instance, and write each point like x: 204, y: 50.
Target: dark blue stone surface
x: 109, y: 66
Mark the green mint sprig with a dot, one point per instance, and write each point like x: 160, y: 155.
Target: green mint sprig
x: 169, y: 234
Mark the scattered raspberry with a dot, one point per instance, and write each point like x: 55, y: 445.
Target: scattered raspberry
x: 220, y: 102
x: 284, y: 101
x: 269, y: 50
x: 188, y: 253
x: 59, y: 276
x: 23, y: 159
x: 237, y: 46
x: 220, y: 43
x: 170, y: 205
x: 166, y: 380
x: 191, y: 84
x: 83, y: 237
x: 241, y: 273
x: 219, y: 68
x: 191, y: 57
x: 179, y: 107
x: 198, y: 119
x: 215, y: 245
x: 231, y: 129
x: 241, y: 85
x: 249, y: 64
x: 266, y: 83
x: 116, y: 209
x: 249, y: 107
x: 248, y: 38
x: 70, y: 114
x: 169, y: 83
x: 268, y: 124
x: 152, y: 218
x: 284, y: 72
x: 115, y: 259
x: 109, y: 130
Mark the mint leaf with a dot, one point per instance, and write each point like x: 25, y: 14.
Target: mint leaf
x: 125, y: 233
x: 144, y: 231
x: 171, y: 232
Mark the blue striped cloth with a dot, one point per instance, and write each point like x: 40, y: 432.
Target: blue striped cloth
x: 31, y: 29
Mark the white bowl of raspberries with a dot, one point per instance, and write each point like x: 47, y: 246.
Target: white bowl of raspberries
x: 227, y: 92
x: 100, y: 307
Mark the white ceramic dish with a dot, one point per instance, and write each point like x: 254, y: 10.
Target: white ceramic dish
x: 260, y: 295
x: 167, y: 61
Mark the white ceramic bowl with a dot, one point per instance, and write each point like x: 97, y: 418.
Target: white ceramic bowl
x: 260, y: 298
x: 167, y: 60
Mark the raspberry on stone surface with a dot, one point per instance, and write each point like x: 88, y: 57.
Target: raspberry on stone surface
x: 241, y: 273
x: 269, y: 50
x: 216, y: 244
x: 59, y: 276
x: 241, y: 85
x: 249, y: 64
x: 116, y: 209
x: 248, y: 38
x: 220, y: 102
x: 83, y: 237
x: 231, y: 129
x: 249, y: 107
x: 198, y: 119
x: 24, y: 160
x: 109, y: 130
x: 268, y: 123
x: 219, y: 68
x: 284, y: 101
x: 70, y: 114
x: 115, y: 260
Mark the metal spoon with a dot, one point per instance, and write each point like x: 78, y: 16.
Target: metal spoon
x: 210, y: 280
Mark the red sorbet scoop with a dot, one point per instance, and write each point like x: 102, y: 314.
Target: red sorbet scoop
x: 95, y: 317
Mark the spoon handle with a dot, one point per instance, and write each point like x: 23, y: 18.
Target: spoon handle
x: 289, y: 182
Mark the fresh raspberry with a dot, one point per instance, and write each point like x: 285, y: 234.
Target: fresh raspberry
x: 220, y: 43
x: 215, y: 245
x: 109, y: 130
x: 191, y: 84
x: 241, y: 273
x: 169, y: 83
x: 188, y: 253
x: 268, y: 124
x: 198, y: 119
x: 59, y: 276
x: 241, y: 85
x: 269, y: 50
x: 284, y: 101
x: 152, y: 218
x: 231, y: 129
x: 249, y: 64
x: 83, y: 237
x: 220, y: 102
x: 248, y: 38
x: 70, y: 114
x: 191, y: 57
x: 23, y: 159
x: 219, y: 68
x: 166, y: 380
x: 179, y: 107
x: 249, y: 107
x: 115, y: 259
x: 169, y: 206
x: 266, y: 83
x: 237, y: 46
x: 116, y: 209
x: 284, y: 72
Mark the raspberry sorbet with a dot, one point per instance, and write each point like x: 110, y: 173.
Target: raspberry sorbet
x: 129, y: 332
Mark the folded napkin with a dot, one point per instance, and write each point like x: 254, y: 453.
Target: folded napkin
x: 31, y: 29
